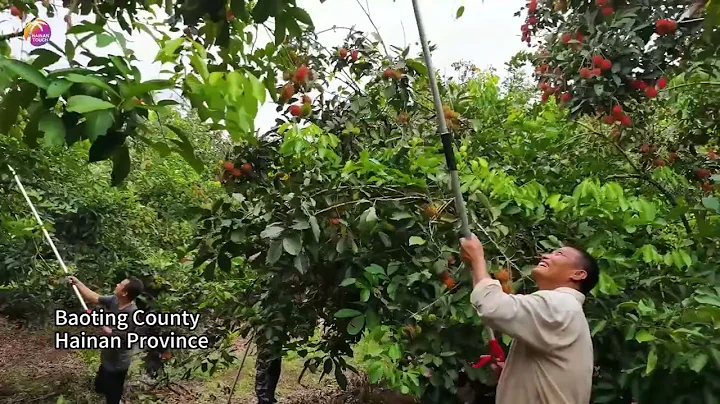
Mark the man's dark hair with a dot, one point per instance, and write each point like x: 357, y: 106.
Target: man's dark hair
x: 590, y: 266
x: 134, y: 288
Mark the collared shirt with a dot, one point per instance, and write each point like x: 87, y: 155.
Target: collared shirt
x: 551, y: 357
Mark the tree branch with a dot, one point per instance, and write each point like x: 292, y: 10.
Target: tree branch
x: 705, y: 83
x: 11, y: 35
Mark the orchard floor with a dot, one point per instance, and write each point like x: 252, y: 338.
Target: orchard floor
x: 32, y: 371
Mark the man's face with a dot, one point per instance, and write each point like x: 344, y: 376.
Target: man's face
x: 558, y: 268
x: 120, y: 288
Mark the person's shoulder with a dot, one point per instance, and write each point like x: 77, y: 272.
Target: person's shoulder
x: 560, y: 301
x: 108, y: 301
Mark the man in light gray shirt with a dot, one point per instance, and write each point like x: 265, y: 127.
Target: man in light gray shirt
x: 114, y: 363
x: 551, y: 357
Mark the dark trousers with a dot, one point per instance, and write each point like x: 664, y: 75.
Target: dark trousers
x: 110, y: 384
x: 267, y: 375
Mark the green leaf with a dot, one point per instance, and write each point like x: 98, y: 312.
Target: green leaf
x: 705, y: 299
x: 346, y: 313
x: 271, y: 232
x: 302, y: 263
x: 372, y: 320
x: 394, y: 352
x: 85, y: 26
x: 274, y: 252
x: 26, y: 72
x: 167, y: 54
x: 598, y: 327
x: 54, y: 129
x: 9, y: 110
x: 506, y: 339
x: 97, y: 123
x: 31, y: 132
x: 644, y: 336
x: 364, y: 295
x: 711, y: 203
x: 375, y: 269
x: 121, y: 65
x: 347, y: 282
x: 356, y: 325
x: 301, y: 15
x: 385, y: 239
x: 224, y: 262
x: 460, y: 11
x: 375, y: 372
x: 400, y: 216
x: 105, y: 146
x: 599, y: 89
x: 69, y: 49
x: 137, y: 89
x: 698, y: 362
x: 264, y: 9
x: 415, y: 240
x: 340, y: 378
x: 315, y: 227
x: 84, y: 103
x: 280, y: 29
x: 419, y: 67
x: 93, y: 81
x: 370, y: 215
x: 292, y: 244
x: 651, y: 361
x: 238, y: 9
x: 121, y: 165
x: 44, y: 58
x: 300, y: 224
x: 258, y: 88
x: 58, y: 88
x: 103, y: 40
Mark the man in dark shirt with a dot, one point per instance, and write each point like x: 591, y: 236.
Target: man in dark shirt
x: 114, y: 363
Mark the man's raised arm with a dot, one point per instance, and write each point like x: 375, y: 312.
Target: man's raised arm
x: 89, y: 296
x: 535, y: 319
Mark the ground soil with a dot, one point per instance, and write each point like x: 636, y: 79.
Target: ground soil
x: 33, y: 372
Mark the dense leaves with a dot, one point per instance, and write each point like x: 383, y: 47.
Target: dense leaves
x: 107, y: 101
x: 349, y: 225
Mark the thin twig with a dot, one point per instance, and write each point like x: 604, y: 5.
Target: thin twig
x: 73, y: 9
x: 367, y: 13
x: 333, y: 28
x: 11, y: 35
x: 707, y: 83
x: 623, y: 176
x: 370, y: 200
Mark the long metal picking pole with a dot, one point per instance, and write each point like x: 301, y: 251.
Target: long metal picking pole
x: 445, y: 135
x: 47, y: 236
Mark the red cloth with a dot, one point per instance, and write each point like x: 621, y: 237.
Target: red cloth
x: 496, y: 356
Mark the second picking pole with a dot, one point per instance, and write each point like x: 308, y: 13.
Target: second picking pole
x: 47, y: 236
